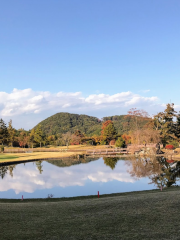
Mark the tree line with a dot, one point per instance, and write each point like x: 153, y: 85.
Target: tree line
x: 20, y: 138
x: 164, y: 128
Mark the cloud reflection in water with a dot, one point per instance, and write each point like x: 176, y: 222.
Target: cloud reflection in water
x: 26, y: 178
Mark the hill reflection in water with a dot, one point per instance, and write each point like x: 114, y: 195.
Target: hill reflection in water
x: 69, y: 177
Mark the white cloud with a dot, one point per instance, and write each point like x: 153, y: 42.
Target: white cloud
x: 28, y: 101
x: 27, y: 107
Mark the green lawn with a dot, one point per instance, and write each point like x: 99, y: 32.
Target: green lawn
x: 6, y: 157
x: 141, y: 215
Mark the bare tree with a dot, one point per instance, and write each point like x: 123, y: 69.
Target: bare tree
x: 67, y: 138
x: 145, y: 136
x: 138, y: 118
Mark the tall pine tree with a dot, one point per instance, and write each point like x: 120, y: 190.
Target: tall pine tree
x: 3, y: 132
x: 38, y: 137
x: 11, y: 133
x: 167, y: 123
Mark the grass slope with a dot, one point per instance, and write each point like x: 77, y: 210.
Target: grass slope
x: 145, y: 215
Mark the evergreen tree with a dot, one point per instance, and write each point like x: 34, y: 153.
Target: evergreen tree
x: 3, y: 132
x: 11, y: 133
x: 166, y: 123
x: 32, y: 137
x: 178, y: 126
x: 38, y: 137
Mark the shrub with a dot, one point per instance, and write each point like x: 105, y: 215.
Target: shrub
x: 2, y: 148
x: 120, y: 142
x: 89, y: 142
x: 169, y: 146
x: 174, y: 143
x: 74, y: 143
x: 112, y: 142
x: 50, y: 196
x: 103, y: 142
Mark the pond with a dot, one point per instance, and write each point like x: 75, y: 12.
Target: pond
x: 68, y: 178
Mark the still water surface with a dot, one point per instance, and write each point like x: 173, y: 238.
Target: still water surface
x: 86, y: 177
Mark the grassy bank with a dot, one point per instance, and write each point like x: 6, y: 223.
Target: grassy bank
x: 33, y: 156
x: 74, y: 150
x: 137, y: 215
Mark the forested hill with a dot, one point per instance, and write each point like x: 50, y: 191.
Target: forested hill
x: 64, y: 122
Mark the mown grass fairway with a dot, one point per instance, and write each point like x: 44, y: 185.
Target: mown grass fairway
x: 142, y: 215
x: 7, y: 156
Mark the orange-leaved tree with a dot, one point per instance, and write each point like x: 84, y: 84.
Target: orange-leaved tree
x: 126, y: 138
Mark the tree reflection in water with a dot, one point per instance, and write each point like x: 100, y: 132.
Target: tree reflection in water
x: 39, y: 166
x: 4, y: 170
x: 143, y: 167
x: 162, y: 172
x: 11, y: 168
x: 110, y: 161
x: 170, y: 173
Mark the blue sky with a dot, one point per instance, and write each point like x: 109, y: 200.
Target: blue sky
x: 98, y: 48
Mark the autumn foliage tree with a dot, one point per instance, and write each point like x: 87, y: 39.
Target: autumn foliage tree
x: 108, y: 131
x: 23, y: 138
x: 126, y: 138
x: 76, y: 137
x: 97, y: 139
